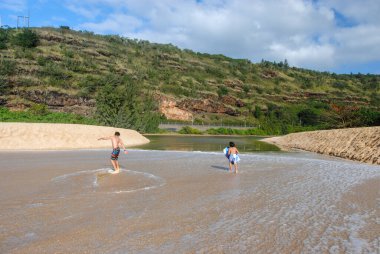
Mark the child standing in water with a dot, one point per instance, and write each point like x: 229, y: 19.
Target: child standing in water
x: 233, y: 156
x: 117, y: 142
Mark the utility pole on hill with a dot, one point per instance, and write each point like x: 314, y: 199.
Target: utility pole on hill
x: 23, y: 19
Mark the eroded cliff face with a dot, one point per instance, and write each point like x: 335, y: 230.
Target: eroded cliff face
x: 185, y: 109
x: 168, y: 107
x: 359, y: 144
x: 173, y: 108
x: 56, y: 101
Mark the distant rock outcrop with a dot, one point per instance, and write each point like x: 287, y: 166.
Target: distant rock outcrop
x: 58, y: 101
x: 207, y: 106
x: 168, y: 107
x: 184, y: 109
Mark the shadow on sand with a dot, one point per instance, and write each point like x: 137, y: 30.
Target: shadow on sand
x: 221, y: 168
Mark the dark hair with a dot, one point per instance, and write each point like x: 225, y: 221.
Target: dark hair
x: 232, y: 144
x: 117, y: 133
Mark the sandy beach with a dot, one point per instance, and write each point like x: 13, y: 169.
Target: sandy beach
x: 186, y: 202
x: 43, y: 136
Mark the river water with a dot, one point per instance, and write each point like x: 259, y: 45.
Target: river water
x: 245, y: 144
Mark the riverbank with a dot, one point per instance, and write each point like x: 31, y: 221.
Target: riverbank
x: 358, y: 144
x: 46, y: 136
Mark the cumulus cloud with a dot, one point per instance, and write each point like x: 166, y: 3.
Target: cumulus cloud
x: 112, y: 25
x: 311, y: 34
x: 87, y: 12
x: 13, y: 5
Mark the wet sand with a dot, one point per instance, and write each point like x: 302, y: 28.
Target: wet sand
x: 186, y: 202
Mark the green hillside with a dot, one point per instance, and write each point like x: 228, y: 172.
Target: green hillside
x: 110, y: 80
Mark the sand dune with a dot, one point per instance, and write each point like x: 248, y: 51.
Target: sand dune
x: 359, y: 144
x: 40, y: 136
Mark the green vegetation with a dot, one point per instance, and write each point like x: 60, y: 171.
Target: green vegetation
x: 189, y: 130
x: 117, y: 81
x: 39, y: 114
x: 27, y: 38
x: 222, y: 131
x: 229, y: 131
x: 120, y: 104
x: 3, y: 38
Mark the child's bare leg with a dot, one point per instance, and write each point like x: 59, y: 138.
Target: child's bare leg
x: 236, y: 168
x: 114, y: 165
x: 117, y: 166
x: 230, y: 166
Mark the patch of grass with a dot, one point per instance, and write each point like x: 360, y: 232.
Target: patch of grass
x: 230, y: 131
x: 40, y: 114
x: 189, y: 130
x: 7, y: 67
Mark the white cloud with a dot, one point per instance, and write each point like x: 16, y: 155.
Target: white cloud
x: 359, y: 44
x: 320, y: 55
x: 89, y: 13
x: 13, y: 5
x: 113, y: 24
x: 306, y: 33
x: 363, y: 12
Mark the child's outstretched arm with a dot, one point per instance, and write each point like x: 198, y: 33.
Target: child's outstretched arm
x: 121, y: 143
x: 104, y: 138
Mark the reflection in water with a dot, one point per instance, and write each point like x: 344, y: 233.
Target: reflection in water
x: 205, y: 143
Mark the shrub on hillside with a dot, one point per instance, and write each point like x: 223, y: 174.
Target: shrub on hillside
x: 230, y: 131
x: 42, y: 61
x: 89, y: 84
x: 340, y: 85
x: 4, y: 85
x: 64, y: 27
x: 7, y: 67
x: 308, y: 117
x: 367, y: 117
x: 258, y: 112
x: 74, y: 65
x: 189, y: 130
x: 3, y: 38
x: 54, y: 71
x: 27, y: 38
x: 215, y: 72
x: 175, y: 89
x: 222, y: 90
x: 124, y: 106
x: 39, y: 109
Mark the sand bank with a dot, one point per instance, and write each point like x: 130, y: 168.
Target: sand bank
x: 359, y: 144
x: 40, y: 136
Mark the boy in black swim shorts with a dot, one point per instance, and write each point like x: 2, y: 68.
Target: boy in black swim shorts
x: 115, y: 154
x: 117, y: 142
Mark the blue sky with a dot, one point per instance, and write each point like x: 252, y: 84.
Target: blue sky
x: 340, y: 36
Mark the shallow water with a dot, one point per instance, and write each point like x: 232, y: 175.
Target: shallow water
x: 187, y: 202
x: 206, y: 143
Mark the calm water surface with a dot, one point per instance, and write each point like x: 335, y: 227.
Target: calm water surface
x: 206, y: 143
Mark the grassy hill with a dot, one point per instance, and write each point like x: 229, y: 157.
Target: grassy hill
x: 115, y: 81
